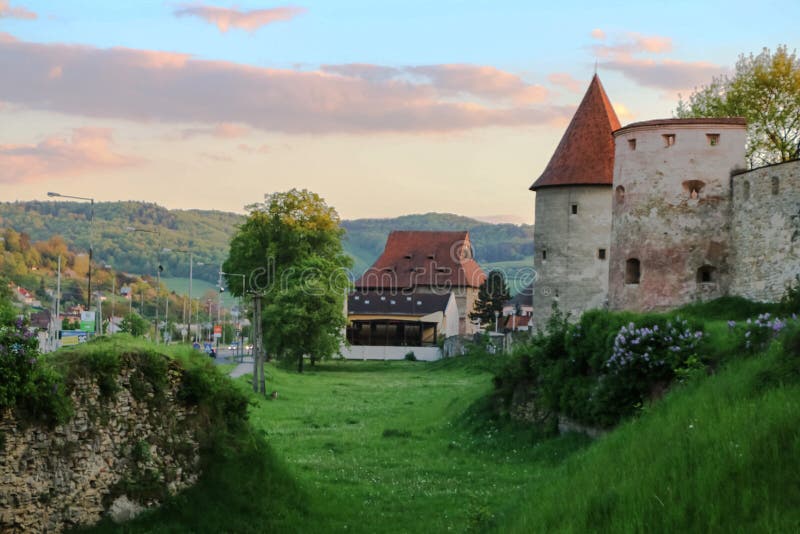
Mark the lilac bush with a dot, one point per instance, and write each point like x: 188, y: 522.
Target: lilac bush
x: 19, y: 350
x: 654, y: 350
x: 756, y: 334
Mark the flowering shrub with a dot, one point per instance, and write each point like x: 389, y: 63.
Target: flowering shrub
x: 19, y: 350
x: 653, y: 351
x: 755, y: 334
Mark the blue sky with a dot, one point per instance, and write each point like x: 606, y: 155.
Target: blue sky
x: 454, y: 105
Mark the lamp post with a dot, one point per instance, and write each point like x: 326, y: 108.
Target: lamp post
x: 91, y: 239
x: 496, y: 320
x: 190, y: 253
x: 244, y: 290
x: 159, y: 268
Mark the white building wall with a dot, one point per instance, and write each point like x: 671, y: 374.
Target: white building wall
x: 373, y: 352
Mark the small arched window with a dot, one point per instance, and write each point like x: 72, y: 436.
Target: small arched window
x: 776, y: 185
x: 693, y: 188
x: 706, y: 274
x: 746, y: 190
x: 633, y: 271
x: 620, y: 192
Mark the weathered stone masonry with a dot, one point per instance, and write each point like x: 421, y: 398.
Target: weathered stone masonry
x: 70, y: 475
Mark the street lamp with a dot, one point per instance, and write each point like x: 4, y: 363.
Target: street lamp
x: 191, y: 254
x: 91, y: 238
x: 159, y: 268
x: 241, y: 299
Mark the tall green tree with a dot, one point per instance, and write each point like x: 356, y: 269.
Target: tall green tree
x: 765, y: 90
x: 290, y: 250
x: 492, y: 294
x: 134, y: 324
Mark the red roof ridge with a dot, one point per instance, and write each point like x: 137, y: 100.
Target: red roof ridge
x: 585, y: 154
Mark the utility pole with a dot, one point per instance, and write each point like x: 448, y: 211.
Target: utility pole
x: 259, y: 382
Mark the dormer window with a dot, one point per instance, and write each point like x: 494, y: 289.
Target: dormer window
x: 669, y: 140
x: 431, y: 256
x: 408, y: 256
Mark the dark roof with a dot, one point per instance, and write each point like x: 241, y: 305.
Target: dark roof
x: 585, y: 155
x: 417, y: 258
x: 523, y: 298
x: 40, y: 319
x: 736, y: 121
x: 386, y: 302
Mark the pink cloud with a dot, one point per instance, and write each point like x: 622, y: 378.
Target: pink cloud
x: 9, y: 12
x: 7, y: 38
x: 225, y: 130
x: 252, y: 20
x: 598, y: 34
x: 624, y: 55
x: 566, y: 81
x: 262, y: 149
x: 149, y: 85
x: 87, y: 150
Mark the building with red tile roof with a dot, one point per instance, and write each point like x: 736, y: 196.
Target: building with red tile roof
x: 428, y: 261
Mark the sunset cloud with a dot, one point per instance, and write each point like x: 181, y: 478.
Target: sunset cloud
x: 566, y: 81
x: 629, y: 56
x: 225, y: 130
x: 163, y: 86
x: 9, y: 12
x: 249, y: 149
x: 227, y: 18
x: 86, y: 150
x: 451, y: 80
x: 598, y: 34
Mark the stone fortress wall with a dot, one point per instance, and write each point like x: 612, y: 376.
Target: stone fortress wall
x: 766, y: 230
x: 671, y: 229
x: 572, y: 232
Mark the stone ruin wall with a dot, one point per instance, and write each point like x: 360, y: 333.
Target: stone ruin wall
x: 766, y: 231
x: 52, y: 479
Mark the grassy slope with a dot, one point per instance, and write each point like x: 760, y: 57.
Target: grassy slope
x: 718, y: 456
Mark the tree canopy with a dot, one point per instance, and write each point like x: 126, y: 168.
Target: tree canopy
x: 765, y: 90
x: 290, y: 250
x: 492, y: 294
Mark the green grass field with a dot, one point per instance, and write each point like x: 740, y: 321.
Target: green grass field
x: 199, y: 289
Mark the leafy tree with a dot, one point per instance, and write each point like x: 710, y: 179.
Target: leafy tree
x: 290, y: 249
x: 134, y: 324
x: 765, y: 90
x: 492, y: 294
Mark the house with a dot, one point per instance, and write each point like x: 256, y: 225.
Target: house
x: 424, y: 262
x: 386, y: 324
x: 518, y: 311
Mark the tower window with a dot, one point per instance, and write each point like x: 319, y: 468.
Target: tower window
x: 633, y: 271
x: 713, y: 139
x: 632, y: 144
x: 706, y: 274
x: 601, y: 253
x: 620, y: 194
x: 669, y: 140
x: 574, y: 209
x: 693, y: 188
x: 746, y: 190
x: 776, y: 185
x: 544, y: 254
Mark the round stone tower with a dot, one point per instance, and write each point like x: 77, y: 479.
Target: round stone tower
x: 670, y: 237
x: 573, y: 212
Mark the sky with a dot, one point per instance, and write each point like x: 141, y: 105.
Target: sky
x: 384, y: 108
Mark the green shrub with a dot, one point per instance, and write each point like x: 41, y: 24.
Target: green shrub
x: 18, y: 359
x: 410, y: 356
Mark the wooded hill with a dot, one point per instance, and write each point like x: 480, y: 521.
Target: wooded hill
x: 207, y: 233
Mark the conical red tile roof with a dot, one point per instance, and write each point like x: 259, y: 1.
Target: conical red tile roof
x: 585, y: 155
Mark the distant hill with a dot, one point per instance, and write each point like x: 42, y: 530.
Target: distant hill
x: 207, y: 234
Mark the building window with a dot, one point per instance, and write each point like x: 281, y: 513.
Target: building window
x: 632, y: 144
x: 713, y: 139
x: 746, y: 190
x: 544, y: 254
x: 574, y: 209
x: 693, y: 188
x: 620, y: 194
x: 601, y: 253
x: 706, y: 274
x: 776, y: 185
x: 669, y: 140
x: 633, y: 271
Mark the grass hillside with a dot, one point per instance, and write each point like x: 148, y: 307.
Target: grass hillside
x: 416, y: 447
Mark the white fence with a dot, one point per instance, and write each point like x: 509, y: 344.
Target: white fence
x: 381, y: 352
